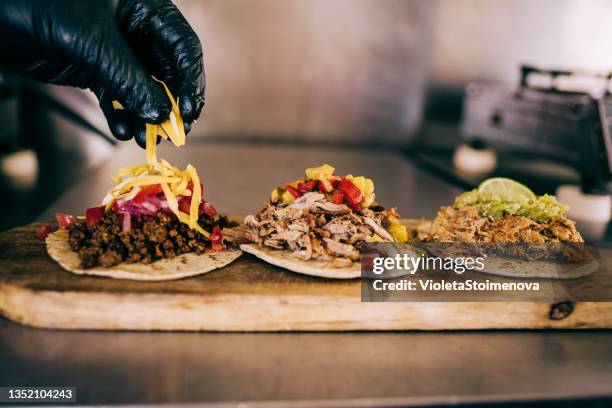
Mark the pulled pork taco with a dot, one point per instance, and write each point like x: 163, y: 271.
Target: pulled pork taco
x: 525, y: 235
x: 503, y: 210
x: 317, y: 225
x: 152, y: 225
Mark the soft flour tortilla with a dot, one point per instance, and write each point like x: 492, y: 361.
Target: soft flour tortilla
x: 311, y: 267
x: 283, y: 259
x: 181, y: 266
x: 539, y: 268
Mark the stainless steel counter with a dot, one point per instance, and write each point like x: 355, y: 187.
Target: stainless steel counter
x: 342, y: 368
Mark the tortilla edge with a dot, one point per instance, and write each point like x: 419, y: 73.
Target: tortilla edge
x: 283, y: 260
x: 57, y: 248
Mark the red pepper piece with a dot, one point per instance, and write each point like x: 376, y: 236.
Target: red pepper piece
x: 64, y: 220
x: 306, y: 187
x: 323, y: 189
x: 354, y: 196
x: 43, y: 231
x: 93, y: 216
x: 185, y: 204
x: 293, y: 191
x: 207, y: 208
x: 333, y: 181
x: 337, y: 197
x: 146, y: 192
x: 190, y: 187
x: 216, y: 239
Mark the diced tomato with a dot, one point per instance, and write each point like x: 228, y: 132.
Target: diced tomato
x: 323, y: 189
x: 306, y: 187
x: 353, y: 195
x: 43, y: 231
x: 64, y: 220
x: 293, y: 191
x: 337, y: 197
x: 216, y: 239
x: 207, y: 208
x: 93, y: 216
x: 190, y: 187
x: 332, y: 180
x: 185, y: 204
x: 146, y: 192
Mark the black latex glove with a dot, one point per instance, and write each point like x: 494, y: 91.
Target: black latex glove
x: 111, y: 47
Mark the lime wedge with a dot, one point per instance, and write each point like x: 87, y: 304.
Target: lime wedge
x: 506, y: 189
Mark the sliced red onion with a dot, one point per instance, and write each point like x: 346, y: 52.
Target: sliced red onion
x: 132, y: 208
x: 126, y: 222
x: 149, y: 206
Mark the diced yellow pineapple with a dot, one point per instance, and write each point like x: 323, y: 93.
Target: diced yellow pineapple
x: 369, y: 199
x: 368, y: 187
x: 287, y: 197
x: 295, y: 183
x: 274, y: 196
x: 319, y: 173
x: 375, y: 238
x: 398, y: 232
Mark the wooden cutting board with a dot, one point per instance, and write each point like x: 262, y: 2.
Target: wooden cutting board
x: 248, y: 295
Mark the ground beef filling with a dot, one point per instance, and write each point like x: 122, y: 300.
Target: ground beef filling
x: 150, y: 238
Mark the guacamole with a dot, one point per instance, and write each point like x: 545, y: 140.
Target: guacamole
x: 541, y: 209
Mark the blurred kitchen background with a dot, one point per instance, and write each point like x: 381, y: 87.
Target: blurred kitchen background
x: 350, y: 74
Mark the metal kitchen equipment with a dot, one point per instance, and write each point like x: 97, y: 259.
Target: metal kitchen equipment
x: 554, y: 121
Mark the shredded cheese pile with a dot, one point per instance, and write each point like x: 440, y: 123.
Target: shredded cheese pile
x: 173, y: 181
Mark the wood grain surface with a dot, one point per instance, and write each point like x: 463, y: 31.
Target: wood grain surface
x: 248, y: 295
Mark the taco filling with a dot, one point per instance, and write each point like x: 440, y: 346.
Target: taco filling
x: 322, y: 217
x: 155, y: 211
x: 502, y: 210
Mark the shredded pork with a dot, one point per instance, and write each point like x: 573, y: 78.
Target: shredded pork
x: 466, y: 225
x: 314, y: 228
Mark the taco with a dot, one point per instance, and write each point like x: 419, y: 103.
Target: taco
x: 152, y: 225
x: 503, y: 210
x: 318, y: 224
x: 523, y: 235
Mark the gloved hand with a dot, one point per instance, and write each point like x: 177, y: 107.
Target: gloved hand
x: 111, y: 47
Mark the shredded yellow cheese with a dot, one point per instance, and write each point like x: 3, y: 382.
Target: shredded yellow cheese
x: 171, y: 198
x: 172, y: 128
x: 196, y: 198
x: 151, y: 140
x: 173, y: 181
